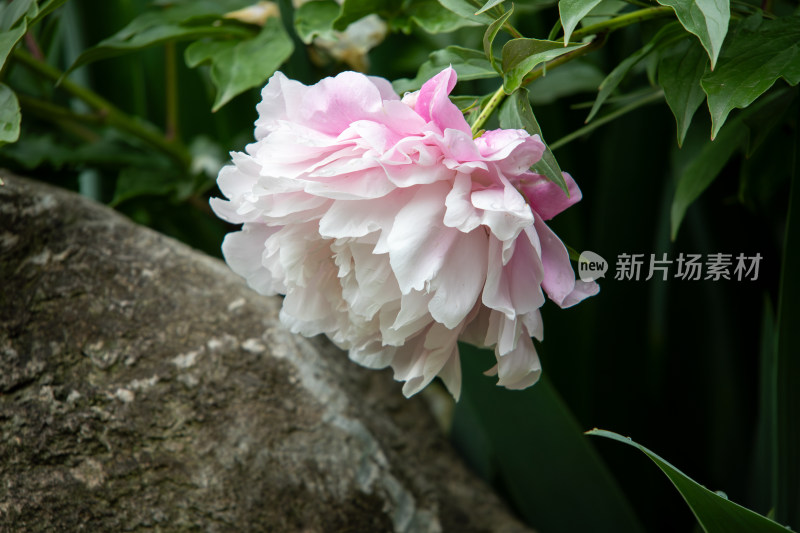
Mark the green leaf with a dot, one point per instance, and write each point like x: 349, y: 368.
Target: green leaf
x: 469, y: 65
x: 708, y: 19
x: 8, y: 40
x: 714, y: 513
x: 751, y: 63
x: 14, y: 21
x: 353, y: 10
x: 667, y: 35
x: 430, y: 16
x: 46, y: 8
x: 552, y: 473
x: 787, y: 373
x: 703, y: 170
x: 240, y: 65
x: 571, y: 13
x: 713, y: 156
x: 12, y: 13
x: 516, y: 113
x: 520, y: 56
x: 679, y: 75
x: 154, y: 28
x: 315, y: 18
x: 765, y: 450
x: 142, y: 181
x: 491, y: 33
x: 466, y: 10
x: 489, y: 5
x: 9, y: 115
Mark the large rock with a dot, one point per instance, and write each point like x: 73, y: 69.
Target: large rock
x: 144, y: 386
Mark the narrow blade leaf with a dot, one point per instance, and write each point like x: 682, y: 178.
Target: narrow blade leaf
x: 666, y: 36
x: 491, y: 33
x: 517, y: 113
x: 714, y: 513
x: 787, y: 462
x: 553, y: 474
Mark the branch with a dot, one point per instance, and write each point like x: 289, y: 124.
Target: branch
x: 110, y: 114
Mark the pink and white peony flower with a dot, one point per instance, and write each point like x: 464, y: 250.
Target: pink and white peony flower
x: 393, y: 231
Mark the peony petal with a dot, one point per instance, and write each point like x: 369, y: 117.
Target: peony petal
x: 434, y: 105
x: 505, y: 212
x: 581, y: 291
x: 419, y: 241
x: 513, y: 150
x: 450, y: 375
x: 547, y: 198
x: 243, y: 252
x: 365, y: 210
x: 559, y: 278
x: 458, y: 286
x: 353, y: 218
x: 519, y: 368
x: 460, y: 213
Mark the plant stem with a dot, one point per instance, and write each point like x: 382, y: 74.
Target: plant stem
x: 171, y: 89
x: 491, y: 105
x: 621, y: 21
x: 596, y: 123
x: 541, y: 71
x: 109, y: 114
x: 67, y: 119
x: 500, y: 94
x: 512, y: 30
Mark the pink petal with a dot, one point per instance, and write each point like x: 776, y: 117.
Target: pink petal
x: 433, y: 103
x: 559, y: 278
x: 547, y: 198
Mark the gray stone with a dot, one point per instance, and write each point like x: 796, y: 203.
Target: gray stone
x: 143, y: 386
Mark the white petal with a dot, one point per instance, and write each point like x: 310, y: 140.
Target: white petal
x: 519, y: 368
x: 419, y: 241
x: 459, y: 284
x: 243, y: 251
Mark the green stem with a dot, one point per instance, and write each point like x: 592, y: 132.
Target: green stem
x: 557, y: 62
x: 500, y: 94
x: 486, y: 112
x: 109, y: 114
x: 621, y: 21
x: 512, y: 30
x: 596, y: 123
x: 171, y: 89
x: 67, y: 119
